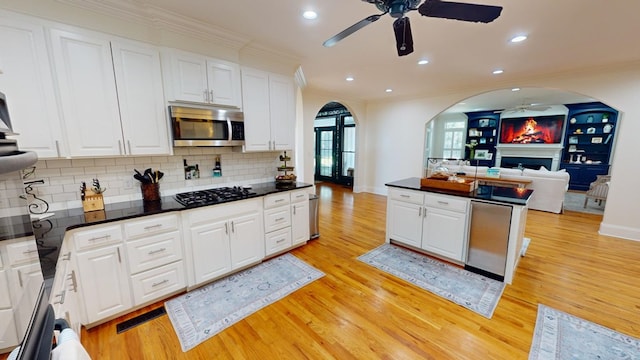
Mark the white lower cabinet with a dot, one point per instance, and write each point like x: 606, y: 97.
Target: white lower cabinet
x: 435, y: 223
x: 154, y: 284
x: 300, y: 217
x: 105, y: 282
x: 222, y: 238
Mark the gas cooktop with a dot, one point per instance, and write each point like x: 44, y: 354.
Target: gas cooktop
x: 214, y: 196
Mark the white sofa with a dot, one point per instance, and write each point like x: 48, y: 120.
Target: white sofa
x: 549, y: 187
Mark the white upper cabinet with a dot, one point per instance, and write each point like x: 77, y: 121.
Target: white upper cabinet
x: 195, y: 78
x: 88, y: 93
x: 28, y: 84
x: 110, y: 113
x: 269, y: 110
x: 142, y: 107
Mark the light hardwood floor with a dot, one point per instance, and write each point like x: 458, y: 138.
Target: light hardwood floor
x: 358, y: 312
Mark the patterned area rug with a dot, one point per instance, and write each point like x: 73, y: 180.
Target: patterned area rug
x: 559, y: 335
x: 202, y: 313
x: 474, y: 292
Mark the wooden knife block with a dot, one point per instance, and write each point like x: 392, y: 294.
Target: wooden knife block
x: 92, y: 201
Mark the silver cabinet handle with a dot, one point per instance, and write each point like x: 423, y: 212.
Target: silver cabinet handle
x: 74, y: 284
x: 281, y: 240
x: 405, y: 196
x: 152, y: 252
x: 279, y: 219
x: 160, y: 283
x: 104, y: 237
x: 120, y: 146
x: 443, y: 202
x: 58, y: 147
x: 119, y: 258
x: 294, y: 209
x: 129, y: 145
x: 20, y: 278
x: 61, y: 296
x: 152, y: 226
x: 424, y: 213
x: 211, y: 96
x: 206, y: 95
x: 226, y: 228
x: 28, y: 252
x: 279, y: 200
x: 233, y: 227
x: 66, y: 257
x: 420, y: 211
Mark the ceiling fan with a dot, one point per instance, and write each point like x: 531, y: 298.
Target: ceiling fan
x: 431, y: 8
x: 523, y: 108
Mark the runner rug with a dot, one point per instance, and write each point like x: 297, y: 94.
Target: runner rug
x: 559, y: 335
x: 202, y: 313
x: 475, y: 292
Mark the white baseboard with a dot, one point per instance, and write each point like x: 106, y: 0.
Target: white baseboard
x: 623, y: 232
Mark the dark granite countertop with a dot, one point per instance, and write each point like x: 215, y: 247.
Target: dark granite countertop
x: 506, y: 195
x: 49, y: 232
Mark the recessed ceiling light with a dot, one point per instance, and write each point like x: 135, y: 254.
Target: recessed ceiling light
x: 423, y: 62
x: 309, y: 14
x: 389, y: 90
x: 515, y: 89
x: 497, y: 71
x: 349, y: 78
x: 519, y: 38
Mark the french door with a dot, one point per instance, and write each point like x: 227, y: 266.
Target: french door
x: 335, y: 150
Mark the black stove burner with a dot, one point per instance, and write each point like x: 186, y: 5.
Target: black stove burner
x: 214, y: 196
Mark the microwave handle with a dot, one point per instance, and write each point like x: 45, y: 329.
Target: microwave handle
x: 229, y: 130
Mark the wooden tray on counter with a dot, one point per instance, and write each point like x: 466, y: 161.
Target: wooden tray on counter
x: 466, y: 185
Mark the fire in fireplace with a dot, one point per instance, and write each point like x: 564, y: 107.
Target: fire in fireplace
x: 532, y: 130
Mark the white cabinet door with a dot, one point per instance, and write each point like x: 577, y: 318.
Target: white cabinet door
x: 247, y: 240
x: 9, y: 338
x: 282, y: 112
x: 223, y: 79
x: 211, y: 250
x: 142, y: 107
x: 255, y: 100
x: 88, y: 93
x: 444, y: 233
x: 300, y: 221
x: 104, y: 282
x: 28, y: 84
x: 189, y: 77
x: 405, y: 222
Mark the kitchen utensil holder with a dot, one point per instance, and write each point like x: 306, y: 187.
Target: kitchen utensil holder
x: 150, y: 192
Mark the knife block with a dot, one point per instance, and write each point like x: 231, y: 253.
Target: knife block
x: 92, y: 201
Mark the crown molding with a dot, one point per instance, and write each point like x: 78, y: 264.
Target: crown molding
x: 142, y: 12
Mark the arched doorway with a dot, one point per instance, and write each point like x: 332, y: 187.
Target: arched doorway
x: 335, y: 144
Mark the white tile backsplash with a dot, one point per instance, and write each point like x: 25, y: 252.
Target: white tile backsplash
x: 63, y: 177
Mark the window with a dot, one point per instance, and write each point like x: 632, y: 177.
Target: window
x: 453, y: 145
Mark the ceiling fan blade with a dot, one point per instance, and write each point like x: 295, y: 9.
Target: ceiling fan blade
x: 404, y: 39
x: 351, y: 29
x: 460, y: 11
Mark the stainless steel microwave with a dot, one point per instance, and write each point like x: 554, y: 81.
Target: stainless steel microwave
x: 206, y: 126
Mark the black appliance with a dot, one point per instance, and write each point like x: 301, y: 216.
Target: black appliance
x: 214, y: 196
x: 193, y: 126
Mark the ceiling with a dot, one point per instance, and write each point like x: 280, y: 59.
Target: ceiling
x: 563, y: 36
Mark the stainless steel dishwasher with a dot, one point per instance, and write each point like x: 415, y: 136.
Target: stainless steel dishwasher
x: 488, y: 239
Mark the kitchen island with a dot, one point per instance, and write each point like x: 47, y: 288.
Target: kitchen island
x: 440, y: 223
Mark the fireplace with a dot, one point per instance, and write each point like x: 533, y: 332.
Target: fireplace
x: 525, y: 162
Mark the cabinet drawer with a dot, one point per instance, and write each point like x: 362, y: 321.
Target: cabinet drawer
x: 93, y: 238
x: 147, y: 253
x: 278, y: 240
x: 299, y: 196
x: 277, y: 218
x: 151, y: 225
x: 273, y: 200
x: 23, y: 252
x: 446, y: 202
x: 153, y: 284
x: 414, y: 197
